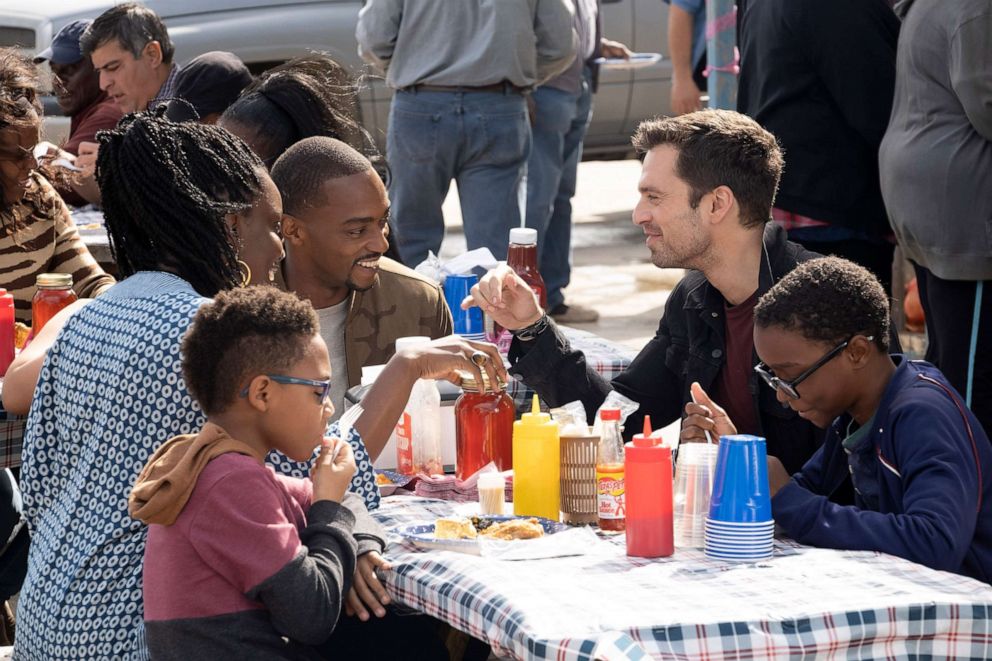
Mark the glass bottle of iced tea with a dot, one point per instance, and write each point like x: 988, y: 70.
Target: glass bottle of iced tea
x: 54, y: 293
x: 483, y: 427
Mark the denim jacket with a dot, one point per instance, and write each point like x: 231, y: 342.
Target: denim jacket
x: 689, y: 346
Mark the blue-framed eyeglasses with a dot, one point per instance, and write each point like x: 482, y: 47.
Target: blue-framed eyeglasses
x: 325, y: 386
x: 789, y: 387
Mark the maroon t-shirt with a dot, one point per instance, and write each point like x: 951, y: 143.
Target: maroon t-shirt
x: 730, y: 390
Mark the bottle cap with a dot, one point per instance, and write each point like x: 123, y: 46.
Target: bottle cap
x: 645, y: 440
x: 469, y: 383
x: 609, y: 414
x: 535, y: 416
x: 524, y: 236
x: 412, y: 341
x: 53, y: 280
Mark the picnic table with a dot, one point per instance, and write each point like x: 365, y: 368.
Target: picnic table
x: 804, y: 602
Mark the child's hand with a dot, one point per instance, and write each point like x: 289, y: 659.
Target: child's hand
x: 333, y: 470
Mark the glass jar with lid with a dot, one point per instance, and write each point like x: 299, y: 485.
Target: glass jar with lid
x: 54, y: 293
x: 483, y: 426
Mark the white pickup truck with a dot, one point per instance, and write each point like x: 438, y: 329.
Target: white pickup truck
x: 264, y: 33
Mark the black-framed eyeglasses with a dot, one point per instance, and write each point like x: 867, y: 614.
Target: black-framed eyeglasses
x: 789, y: 387
x: 325, y: 386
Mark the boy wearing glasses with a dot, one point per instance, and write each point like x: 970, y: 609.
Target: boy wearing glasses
x: 919, y: 459
x: 240, y: 561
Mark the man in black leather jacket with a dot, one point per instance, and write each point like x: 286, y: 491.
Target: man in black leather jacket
x: 706, y: 190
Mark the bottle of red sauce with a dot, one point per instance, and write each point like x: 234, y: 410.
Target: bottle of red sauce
x: 54, y: 293
x: 6, y: 331
x: 522, y: 258
x: 610, y: 488
x: 648, y: 494
x: 483, y: 427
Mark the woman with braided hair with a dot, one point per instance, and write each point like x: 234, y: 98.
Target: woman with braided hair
x: 37, y: 234
x: 190, y: 211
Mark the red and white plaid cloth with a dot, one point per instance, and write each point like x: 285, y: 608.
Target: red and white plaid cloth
x: 802, y: 603
x: 11, y: 439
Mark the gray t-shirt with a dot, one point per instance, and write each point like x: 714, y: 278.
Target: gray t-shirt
x: 332, y: 330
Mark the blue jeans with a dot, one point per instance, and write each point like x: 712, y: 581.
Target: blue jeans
x: 479, y: 139
x: 560, y: 126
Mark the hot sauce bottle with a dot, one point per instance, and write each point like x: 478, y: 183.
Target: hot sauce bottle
x: 610, y: 473
x: 54, y: 293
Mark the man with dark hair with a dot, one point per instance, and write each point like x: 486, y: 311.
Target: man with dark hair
x: 335, y: 210
x: 77, y: 91
x: 132, y: 53
x: 77, y: 87
x: 707, y: 186
x: 915, y: 453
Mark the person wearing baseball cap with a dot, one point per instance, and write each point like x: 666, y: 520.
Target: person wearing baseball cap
x: 77, y: 89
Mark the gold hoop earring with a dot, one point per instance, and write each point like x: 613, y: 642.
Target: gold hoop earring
x: 245, y: 271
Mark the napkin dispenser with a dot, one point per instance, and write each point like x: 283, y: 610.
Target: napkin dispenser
x: 449, y: 394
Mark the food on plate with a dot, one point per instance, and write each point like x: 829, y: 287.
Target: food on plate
x: 514, y: 529
x: 454, y: 528
x: 382, y: 479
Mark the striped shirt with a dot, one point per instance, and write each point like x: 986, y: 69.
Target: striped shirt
x: 37, y: 235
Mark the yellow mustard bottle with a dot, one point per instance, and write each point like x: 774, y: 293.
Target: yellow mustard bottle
x: 535, y: 464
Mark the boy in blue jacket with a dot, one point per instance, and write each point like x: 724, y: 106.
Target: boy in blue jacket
x: 920, y: 461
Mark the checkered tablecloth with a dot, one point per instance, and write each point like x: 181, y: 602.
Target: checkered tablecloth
x: 607, y: 358
x: 11, y: 436
x: 804, y: 602
x: 11, y: 439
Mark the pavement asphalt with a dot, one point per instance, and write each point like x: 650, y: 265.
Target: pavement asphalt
x: 611, y: 269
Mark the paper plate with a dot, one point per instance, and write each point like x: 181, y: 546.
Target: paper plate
x: 636, y: 61
x: 397, y: 480
x: 422, y: 535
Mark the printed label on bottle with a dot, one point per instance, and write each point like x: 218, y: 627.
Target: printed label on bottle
x: 404, y: 444
x: 610, y: 494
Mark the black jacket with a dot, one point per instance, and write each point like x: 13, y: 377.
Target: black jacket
x: 820, y: 75
x: 688, y: 347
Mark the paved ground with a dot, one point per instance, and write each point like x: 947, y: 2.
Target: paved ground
x: 611, y: 271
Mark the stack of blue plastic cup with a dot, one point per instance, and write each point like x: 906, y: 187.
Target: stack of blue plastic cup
x: 740, y: 525
x: 467, y: 323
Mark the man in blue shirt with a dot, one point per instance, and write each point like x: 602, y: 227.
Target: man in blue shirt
x: 687, y: 48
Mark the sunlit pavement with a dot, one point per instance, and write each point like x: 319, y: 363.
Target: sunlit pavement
x: 611, y: 271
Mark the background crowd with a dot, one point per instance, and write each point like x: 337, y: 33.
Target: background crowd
x: 860, y: 127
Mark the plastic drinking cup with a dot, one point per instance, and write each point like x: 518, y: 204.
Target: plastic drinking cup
x: 740, y: 481
x: 467, y: 323
x: 693, y: 481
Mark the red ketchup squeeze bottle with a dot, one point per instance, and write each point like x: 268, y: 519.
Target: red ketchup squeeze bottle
x: 648, y: 477
x: 6, y: 331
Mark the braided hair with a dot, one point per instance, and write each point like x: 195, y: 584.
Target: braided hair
x: 166, y: 188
